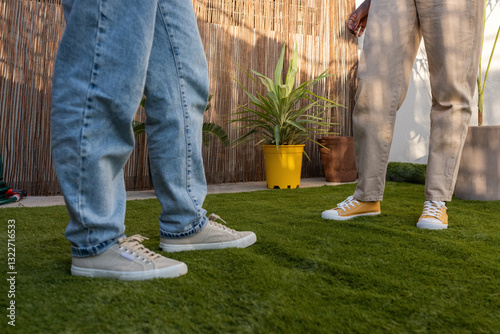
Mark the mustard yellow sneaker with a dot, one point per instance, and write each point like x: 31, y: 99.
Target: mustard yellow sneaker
x: 434, y: 216
x: 351, y: 208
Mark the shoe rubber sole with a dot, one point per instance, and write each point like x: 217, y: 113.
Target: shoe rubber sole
x: 431, y: 226
x: 168, y: 272
x: 238, y: 243
x: 326, y: 215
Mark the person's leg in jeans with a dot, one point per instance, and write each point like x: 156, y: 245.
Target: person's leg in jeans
x: 390, y: 48
x: 176, y: 97
x: 98, y: 82
x: 108, y: 51
x: 452, y: 34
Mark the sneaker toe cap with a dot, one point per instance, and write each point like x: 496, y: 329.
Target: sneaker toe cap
x: 431, y: 224
x: 330, y: 214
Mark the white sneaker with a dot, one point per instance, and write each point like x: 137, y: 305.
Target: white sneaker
x: 128, y: 260
x: 213, y: 236
x: 434, y: 216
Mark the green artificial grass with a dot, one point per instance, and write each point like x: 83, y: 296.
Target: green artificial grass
x: 375, y: 274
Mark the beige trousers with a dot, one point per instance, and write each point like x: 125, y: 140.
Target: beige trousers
x: 452, y: 31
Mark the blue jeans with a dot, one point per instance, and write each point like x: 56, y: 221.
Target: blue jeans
x: 112, y: 52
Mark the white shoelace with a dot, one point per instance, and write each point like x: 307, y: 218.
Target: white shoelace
x: 134, y: 247
x: 213, y: 217
x: 350, y: 201
x: 434, y: 209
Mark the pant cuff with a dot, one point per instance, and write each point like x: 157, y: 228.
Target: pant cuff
x: 94, y: 250
x: 200, y: 225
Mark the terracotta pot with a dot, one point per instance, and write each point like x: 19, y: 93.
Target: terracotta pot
x: 339, y: 164
x: 479, y: 172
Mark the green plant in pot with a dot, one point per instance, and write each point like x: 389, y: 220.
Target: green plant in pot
x: 282, y: 117
x: 479, y: 175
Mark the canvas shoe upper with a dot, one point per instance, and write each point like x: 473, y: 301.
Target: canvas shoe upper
x: 213, y: 236
x: 351, y: 208
x: 128, y: 260
x: 434, y: 216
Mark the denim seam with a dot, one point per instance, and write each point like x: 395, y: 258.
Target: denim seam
x: 88, y: 108
x: 196, y: 228
x: 187, y: 135
x: 201, y: 220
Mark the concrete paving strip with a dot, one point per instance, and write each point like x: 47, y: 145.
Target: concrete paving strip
x: 39, y: 201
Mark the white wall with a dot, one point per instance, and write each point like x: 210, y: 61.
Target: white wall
x: 411, y: 136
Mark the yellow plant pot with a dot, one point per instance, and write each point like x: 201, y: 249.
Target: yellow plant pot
x: 283, y: 165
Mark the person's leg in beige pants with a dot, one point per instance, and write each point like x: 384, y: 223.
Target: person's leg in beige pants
x: 451, y: 30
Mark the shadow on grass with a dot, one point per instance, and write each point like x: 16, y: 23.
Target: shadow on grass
x: 304, y: 274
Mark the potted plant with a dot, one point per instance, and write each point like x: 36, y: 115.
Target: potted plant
x: 479, y: 172
x: 283, y: 117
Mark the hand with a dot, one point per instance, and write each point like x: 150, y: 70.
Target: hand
x: 358, y: 19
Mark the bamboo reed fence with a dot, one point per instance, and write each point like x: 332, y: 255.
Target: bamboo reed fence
x: 249, y: 33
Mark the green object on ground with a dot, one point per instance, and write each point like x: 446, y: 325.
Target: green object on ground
x: 406, y: 172
x: 375, y: 274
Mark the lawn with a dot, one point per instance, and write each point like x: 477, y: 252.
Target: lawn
x: 304, y: 275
